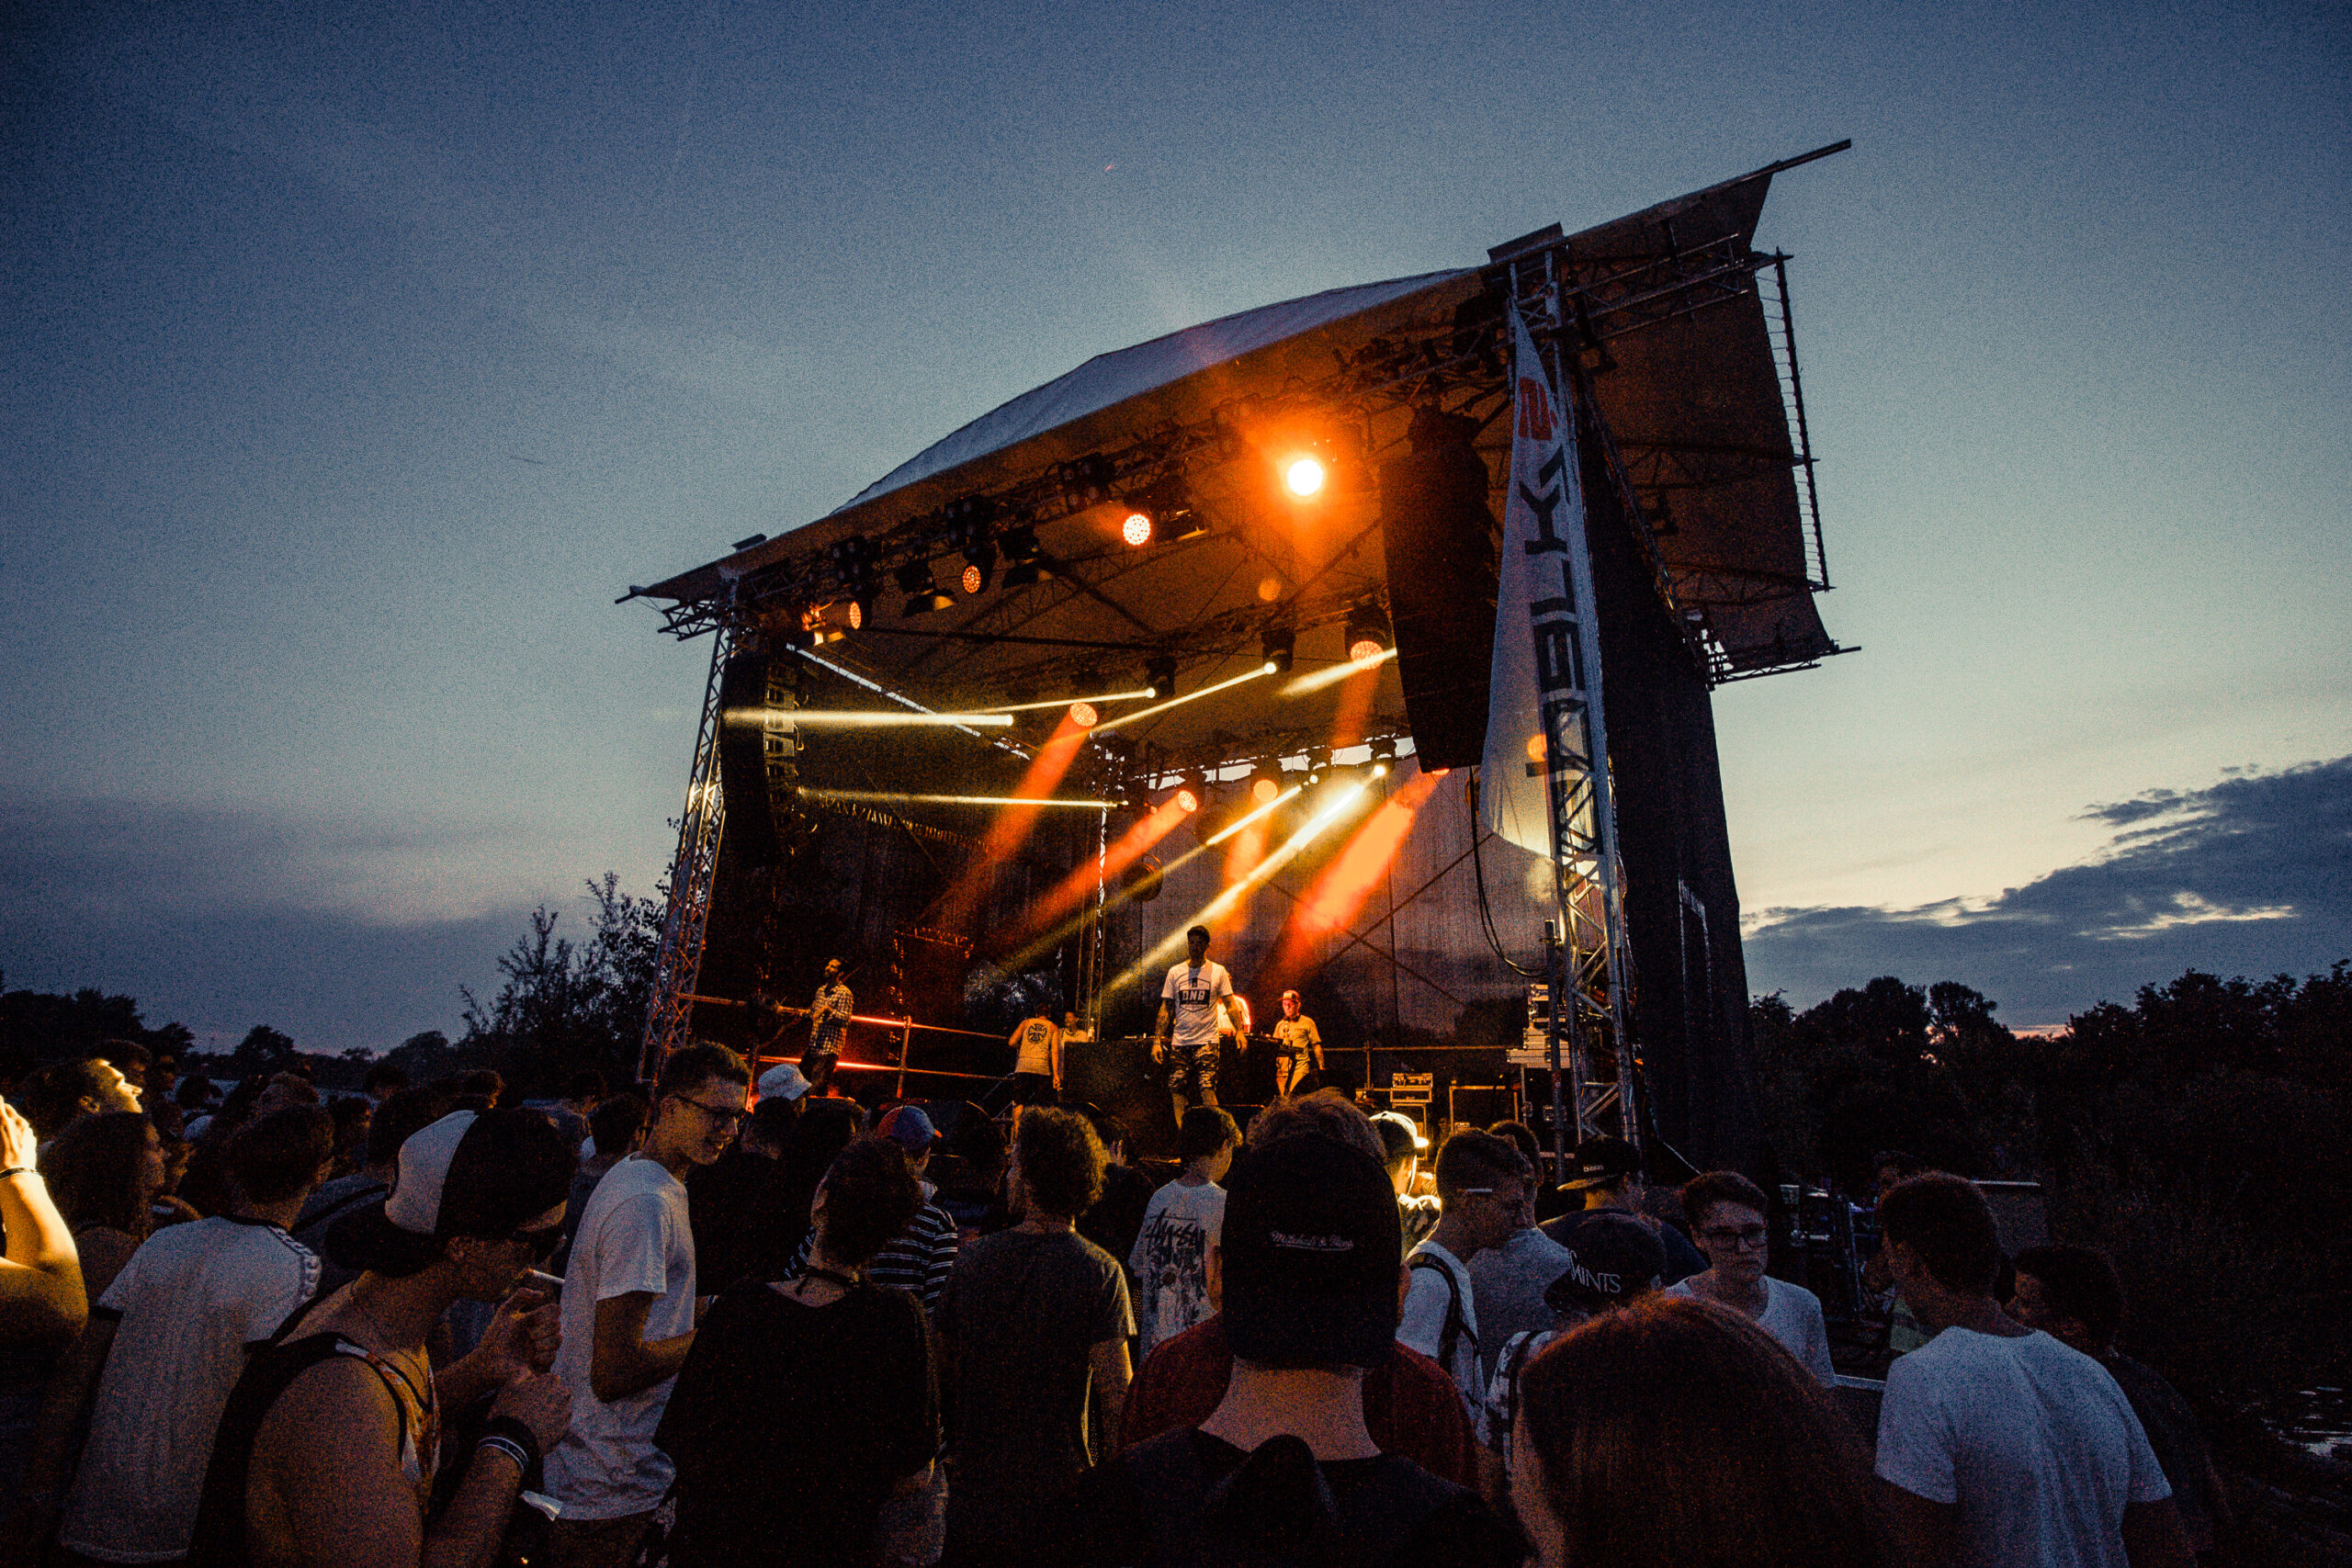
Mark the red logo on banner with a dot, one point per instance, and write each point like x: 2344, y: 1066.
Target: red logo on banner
x: 1534, y: 410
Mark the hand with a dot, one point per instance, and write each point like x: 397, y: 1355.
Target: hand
x: 523, y: 1336
x: 540, y: 1402
x: 1158, y: 1052
x: 17, y: 1142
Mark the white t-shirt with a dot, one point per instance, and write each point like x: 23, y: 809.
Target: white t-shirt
x: 186, y: 1306
x: 2033, y: 1441
x: 1170, y: 1259
x: 1198, y: 995
x: 634, y: 1236
x: 1792, y: 1316
x: 1422, y: 1323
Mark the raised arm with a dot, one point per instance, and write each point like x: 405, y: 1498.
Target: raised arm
x: 41, y: 1274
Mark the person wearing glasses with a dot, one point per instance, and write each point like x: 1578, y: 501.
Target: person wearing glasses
x: 629, y: 1311
x: 1485, y: 1190
x: 1727, y: 1214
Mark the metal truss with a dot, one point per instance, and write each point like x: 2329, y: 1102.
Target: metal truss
x: 668, y: 1013
x: 1591, y: 965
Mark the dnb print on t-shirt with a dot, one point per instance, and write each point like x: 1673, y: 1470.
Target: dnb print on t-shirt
x: 1195, y: 993
x: 635, y: 1238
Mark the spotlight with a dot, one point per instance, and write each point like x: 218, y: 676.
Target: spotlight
x: 922, y: 590
x: 861, y: 609
x: 1277, y: 645
x: 1192, y: 793
x: 968, y: 521
x: 1027, y: 563
x: 1367, y: 637
x: 1137, y: 529
x: 821, y: 623
x: 1083, y: 715
x: 1319, y: 767
x: 1265, y: 783
x: 1383, y: 758
x: 1160, y: 674
x: 1303, y: 477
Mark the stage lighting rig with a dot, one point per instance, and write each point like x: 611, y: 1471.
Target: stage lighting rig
x: 821, y: 623
x: 1083, y: 715
x: 1368, y: 635
x: 1319, y: 766
x: 1162, y: 514
x: 1278, y: 645
x: 1265, y: 783
x: 1192, y: 793
x: 1025, y: 560
x: 969, y: 521
x: 854, y: 559
x: 1383, y: 758
x: 922, y: 590
x: 1160, y: 674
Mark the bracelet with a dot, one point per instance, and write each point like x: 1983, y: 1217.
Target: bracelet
x: 508, y: 1447
x: 18, y: 1170
x: 512, y: 1438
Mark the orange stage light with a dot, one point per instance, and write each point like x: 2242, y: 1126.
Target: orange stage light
x: 1303, y: 477
x: 1011, y: 829
x: 1342, y: 890
x: 1083, y: 715
x: 1137, y: 529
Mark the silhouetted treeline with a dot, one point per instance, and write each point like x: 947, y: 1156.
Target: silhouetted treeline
x: 2202, y: 1135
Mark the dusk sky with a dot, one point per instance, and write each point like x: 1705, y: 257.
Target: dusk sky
x: 357, y: 358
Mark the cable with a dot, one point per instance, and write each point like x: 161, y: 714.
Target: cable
x: 1479, y: 872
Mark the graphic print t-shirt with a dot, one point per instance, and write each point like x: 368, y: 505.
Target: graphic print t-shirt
x: 1297, y: 1036
x: 1036, y: 1048
x: 1170, y: 1259
x: 1195, y: 994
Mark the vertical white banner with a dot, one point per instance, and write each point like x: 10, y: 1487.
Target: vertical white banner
x: 1539, y: 702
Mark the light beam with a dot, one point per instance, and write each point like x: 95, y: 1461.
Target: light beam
x: 1335, y: 674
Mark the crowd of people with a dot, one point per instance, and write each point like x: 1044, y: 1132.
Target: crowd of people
x: 723, y: 1321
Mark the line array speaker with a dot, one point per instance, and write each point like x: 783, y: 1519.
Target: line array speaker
x: 1442, y: 541
x: 759, y: 754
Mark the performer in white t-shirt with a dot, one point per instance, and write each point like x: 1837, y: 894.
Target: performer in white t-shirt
x: 1191, y: 1008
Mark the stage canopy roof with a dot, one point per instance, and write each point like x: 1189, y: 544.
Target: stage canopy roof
x: 1684, y: 339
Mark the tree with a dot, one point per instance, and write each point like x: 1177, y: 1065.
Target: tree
x: 263, y: 1050
x: 564, y: 1006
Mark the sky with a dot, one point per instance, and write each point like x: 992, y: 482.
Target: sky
x: 358, y: 358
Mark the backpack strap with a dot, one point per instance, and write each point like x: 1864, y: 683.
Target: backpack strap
x: 1450, y: 1337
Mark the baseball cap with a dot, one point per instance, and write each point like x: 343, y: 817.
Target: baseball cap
x: 1598, y: 1161
x: 480, y: 1173
x: 1398, y: 1134
x: 1611, y: 1259
x: 1308, y: 1253
x: 782, y: 1082
x: 906, y: 1126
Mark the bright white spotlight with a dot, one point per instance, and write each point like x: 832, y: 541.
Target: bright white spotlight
x: 1332, y: 674
x: 1303, y: 477
x: 1137, y: 529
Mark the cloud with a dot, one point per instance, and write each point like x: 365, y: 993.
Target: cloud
x: 224, y: 917
x: 2252, y: 875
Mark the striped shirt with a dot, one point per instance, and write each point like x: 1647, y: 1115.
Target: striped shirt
x: 918, y: 1260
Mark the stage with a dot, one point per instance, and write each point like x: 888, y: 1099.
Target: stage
x: 1204, y: 632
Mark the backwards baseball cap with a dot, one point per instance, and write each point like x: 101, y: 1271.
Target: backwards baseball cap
x: 906, y: 1126
x: 782, y: 1082
x: 1612, y: 1257
x: 1308, y: 1255
x: 484, y: 1173
x: 1397, y: 1134
x: 1599, y: 1162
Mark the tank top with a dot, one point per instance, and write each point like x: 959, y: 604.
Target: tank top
x: 219, y: 1541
